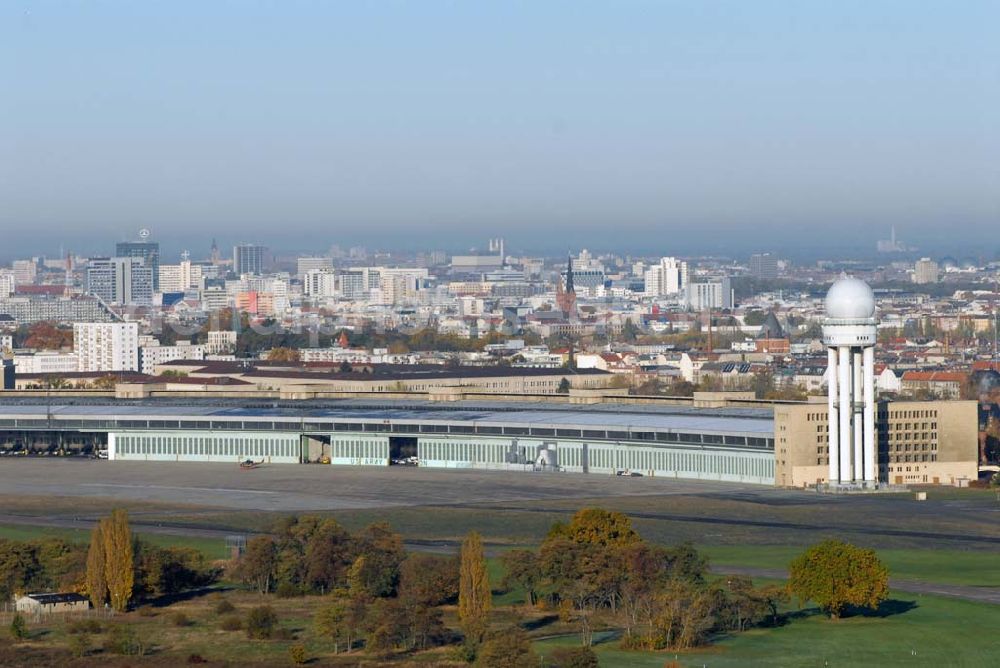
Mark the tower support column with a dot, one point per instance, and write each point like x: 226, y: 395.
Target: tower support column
x: 857, y: 406
x: 844, y: 410
x: 833, y: 419
x: 870, y: 444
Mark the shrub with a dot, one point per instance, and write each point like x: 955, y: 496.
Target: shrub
x: 84, y: 626
x: 79, y: 645
x: 123, y: 639
x: 224, y: 607
x: 196, y: 658
x: 287, y: 590
x: 297, y: 653
x: 261, y: 622
x: 180, y: 619
x: 574, y: 657
x: 231, y: 623
x: 18, y: 627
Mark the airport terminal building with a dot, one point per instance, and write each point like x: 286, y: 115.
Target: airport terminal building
x: 781, y: 445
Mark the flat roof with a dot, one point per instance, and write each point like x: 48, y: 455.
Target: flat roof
x: 539, y: 414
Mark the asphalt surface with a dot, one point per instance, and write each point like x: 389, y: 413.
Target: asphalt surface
x: 300, y: 488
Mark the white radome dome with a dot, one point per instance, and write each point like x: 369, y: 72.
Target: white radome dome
x: 850, y: 299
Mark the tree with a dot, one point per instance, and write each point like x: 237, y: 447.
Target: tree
x: 837, y: 575
x: 259, y: 563
x: 97, y: 583
x: 331, y: 622
x: 474, y: 596
x: 283, y: 355
x: 564, y: 386
x: 327, y: 556
x: 597, y: 526
x: 521, y: 568
x: 376, y: 571
x: 684, y: 617
x: 107, y: 382
x: 119, y: 559
x: 429, y: 580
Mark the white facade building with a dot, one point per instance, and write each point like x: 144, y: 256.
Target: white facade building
x: 221, y: 342
x: 320, y: 283
x: 669, y: 277
x: 709, y: 295
x: 47, y: 363
x: 151, y: 356
x: 181, y: 277
x: 849, y: 334
x: 111, y: 346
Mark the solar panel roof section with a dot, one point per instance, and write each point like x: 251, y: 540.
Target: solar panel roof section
x: 748, y: 421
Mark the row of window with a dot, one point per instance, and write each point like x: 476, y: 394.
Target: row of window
x: 207, y: 445
x: 604, y: 458
x: 386, y: 428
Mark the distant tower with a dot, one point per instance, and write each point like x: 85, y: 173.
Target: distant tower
x: 216, y: 256
x: 849, y: 335
x: 566, y: 296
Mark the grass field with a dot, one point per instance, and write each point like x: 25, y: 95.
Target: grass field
x: 212, y: 548
x: 978, y: 568
x: 935, y: 632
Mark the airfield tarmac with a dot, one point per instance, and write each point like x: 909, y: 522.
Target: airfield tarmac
x: 299, y: 488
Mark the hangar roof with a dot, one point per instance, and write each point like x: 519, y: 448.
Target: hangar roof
x: 611, y: 416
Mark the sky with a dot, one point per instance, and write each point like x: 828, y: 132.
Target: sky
x: 661, y: 126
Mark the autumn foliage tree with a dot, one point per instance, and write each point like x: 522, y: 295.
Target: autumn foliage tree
x: 474, y: 595
x: 837, y: 575
x: 259, y: 563
x: 97, y: 583
x: 283, y: 355
x: 119, y: 559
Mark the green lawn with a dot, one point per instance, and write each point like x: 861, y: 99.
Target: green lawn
x: 936, y: 632
x: 964, y: 567
x: 212, y: 548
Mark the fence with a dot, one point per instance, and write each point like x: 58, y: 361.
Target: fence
x: 8, y: 610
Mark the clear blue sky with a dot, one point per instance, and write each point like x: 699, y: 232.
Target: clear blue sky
x: 666, y: 125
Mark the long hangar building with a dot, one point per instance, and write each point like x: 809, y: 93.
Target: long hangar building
x: 783, y: 445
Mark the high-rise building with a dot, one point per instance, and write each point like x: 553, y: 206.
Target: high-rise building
x: 24, y: 271
x: 120, y: 280
x: 925, y: 270
x: 248, y: 259
x: 181, y: 277
x: 304, y: 265
x: 709, y: 294
x: 147, y: 251
x: 669, y: 277
x: 319, y: 283
x: 764, y: 265
x: 112, y: 346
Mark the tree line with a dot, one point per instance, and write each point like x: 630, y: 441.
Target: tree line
x: 116, y: 568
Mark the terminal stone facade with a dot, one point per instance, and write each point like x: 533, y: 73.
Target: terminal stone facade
x: 934, y: 442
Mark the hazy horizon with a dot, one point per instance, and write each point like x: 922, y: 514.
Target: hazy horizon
x: 665, y: 127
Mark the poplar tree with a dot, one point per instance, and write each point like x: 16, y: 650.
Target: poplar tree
x: 97, y: 582
x: 119, y: 559
x: 474, y: 600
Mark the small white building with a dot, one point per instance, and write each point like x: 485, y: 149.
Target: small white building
x: 52, y: 603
